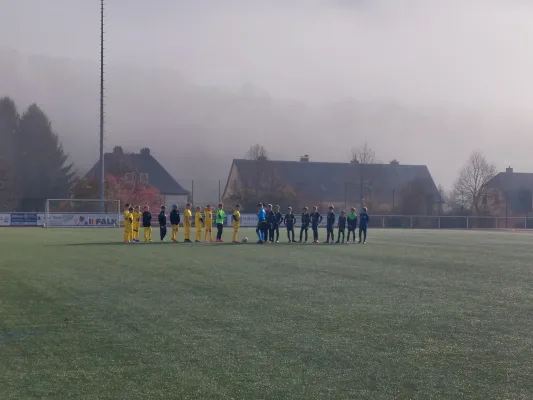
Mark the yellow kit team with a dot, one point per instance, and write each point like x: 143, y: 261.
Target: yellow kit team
x: 134, y: 220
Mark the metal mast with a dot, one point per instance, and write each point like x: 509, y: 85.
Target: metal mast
x: 102, y: 174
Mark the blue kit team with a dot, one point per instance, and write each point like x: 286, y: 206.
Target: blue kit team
x: 269, y: 220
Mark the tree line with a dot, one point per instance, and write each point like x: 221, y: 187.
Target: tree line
x: 33, y: 164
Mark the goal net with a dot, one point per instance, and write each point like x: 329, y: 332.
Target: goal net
x: 82, y: 213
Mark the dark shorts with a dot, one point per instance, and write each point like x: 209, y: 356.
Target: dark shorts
x: 262, y: 225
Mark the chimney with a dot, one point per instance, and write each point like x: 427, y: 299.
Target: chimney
x: 145, y: 151
x: 304, y: 158
x: 394, y: 162
x: 509, y: 170
x: 117, y: 150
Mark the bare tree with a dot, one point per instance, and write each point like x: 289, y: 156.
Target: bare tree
x: 363, y: 155
x: 257, y: 152
x: 473, y: 180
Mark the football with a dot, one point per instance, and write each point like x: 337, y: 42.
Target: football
x: 244, y: 239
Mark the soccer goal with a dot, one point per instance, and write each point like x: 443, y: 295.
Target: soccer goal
x: 82, y: 213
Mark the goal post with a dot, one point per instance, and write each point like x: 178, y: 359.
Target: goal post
x: 82, y: 213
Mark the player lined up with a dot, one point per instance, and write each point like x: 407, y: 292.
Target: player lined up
x: 133, y: 218
x: 270, y: 219
x: 268, y: 225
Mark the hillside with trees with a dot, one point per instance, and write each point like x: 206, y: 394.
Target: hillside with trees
x: 195, y: 131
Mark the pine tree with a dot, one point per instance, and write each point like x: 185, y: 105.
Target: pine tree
x: 8, y: 124
x: 43, y: 170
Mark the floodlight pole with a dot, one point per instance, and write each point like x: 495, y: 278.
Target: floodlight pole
x: 102, y: 174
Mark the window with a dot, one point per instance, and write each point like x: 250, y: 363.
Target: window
x: 128, y: 177
x: 143, y: 178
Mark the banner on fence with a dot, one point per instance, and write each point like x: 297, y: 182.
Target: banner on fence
x: 83, y: 220
x: 5, y: 219
x: 246, y: 220
x: 24, y: 219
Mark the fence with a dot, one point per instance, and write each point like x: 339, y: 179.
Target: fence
x: 450, y: 222
x: 429, y: 222
x: 376, y: 221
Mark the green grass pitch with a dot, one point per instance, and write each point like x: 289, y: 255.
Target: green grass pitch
x: 410, y: 315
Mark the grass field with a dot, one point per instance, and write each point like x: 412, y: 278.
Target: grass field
x: 412, y: 314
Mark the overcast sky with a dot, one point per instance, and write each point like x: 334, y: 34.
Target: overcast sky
x: 439, y: 54
x: 470, y: 52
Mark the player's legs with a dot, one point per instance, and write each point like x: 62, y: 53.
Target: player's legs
x: 289, y: 234
x: 301, y: 233
x: 145, y: 234
x: 364, y: 235
x: 220, y: 230
x: 198, y: 233
x: 162, y: 232
x: 266, y: 231
x: 126, y: 234
x: 235, y: 232
x: 174, y: 233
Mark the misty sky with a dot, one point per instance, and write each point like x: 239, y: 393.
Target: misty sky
x: 469, y: 52
x: 438, y: 55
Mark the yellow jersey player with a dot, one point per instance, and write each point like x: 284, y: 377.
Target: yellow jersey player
x: 130, y: 225
x: 198, y: 221
x: 236, y: 216
x: 127, y: 238
x: 208, y: 223
x: 187, y: 216
x: 136, y: 223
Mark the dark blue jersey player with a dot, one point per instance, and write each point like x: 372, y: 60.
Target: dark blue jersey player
x: 364, y: 219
